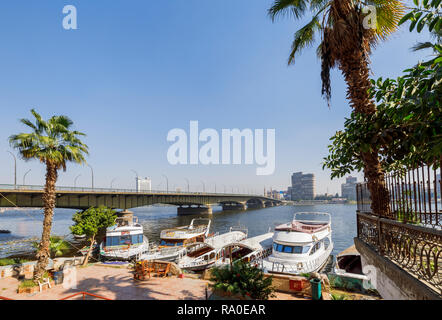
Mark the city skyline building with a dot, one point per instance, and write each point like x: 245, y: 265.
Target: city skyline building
x: 143, y: 184
x: 303, y: 186
x: 348, y: 189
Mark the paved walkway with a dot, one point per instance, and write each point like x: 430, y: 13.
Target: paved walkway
x: 117, y: 283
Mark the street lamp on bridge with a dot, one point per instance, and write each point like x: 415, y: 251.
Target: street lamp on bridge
x: 167, y: 182
x: 92, y: 174
x: 112, y: 182
x: 24, y: 176
x: 188, y: 185
x: 15, y: 168
x: 75, y: 180
x: 204, y: 186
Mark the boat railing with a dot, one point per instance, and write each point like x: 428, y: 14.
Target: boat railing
x: 312, y: 214
x: 239, y: 228
x: 298, y: 267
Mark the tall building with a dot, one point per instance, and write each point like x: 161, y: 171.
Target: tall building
x: 303, y: 186
x: 143, y: 184
x: 348, y: 189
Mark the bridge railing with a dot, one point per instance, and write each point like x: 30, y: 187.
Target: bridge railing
x: 113, y: 190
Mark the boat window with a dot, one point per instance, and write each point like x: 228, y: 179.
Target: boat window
x: 290, y: 249
x: 137, y: 238
x: 305, y: 249
x: 287, y: 249
x: 125, y: 240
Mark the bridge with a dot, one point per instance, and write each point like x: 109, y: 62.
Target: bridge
x: 83, y: 198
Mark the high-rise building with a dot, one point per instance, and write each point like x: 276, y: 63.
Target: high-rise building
x: 143, y: 184
x: 348, y: 189
x: 303, y: 186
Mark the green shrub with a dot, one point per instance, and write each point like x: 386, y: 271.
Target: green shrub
x: 27, y: 284
x: 244, y: 279
x: 9, y: 261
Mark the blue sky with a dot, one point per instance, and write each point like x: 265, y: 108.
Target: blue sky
x: 133, y: 70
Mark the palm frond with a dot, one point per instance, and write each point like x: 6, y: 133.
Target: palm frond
x: 296, y: 8
x: 304, y: 37
x: 50, y: 141
x: 388, y: 15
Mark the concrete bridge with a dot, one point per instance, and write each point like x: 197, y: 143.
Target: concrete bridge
x: 84, y: 198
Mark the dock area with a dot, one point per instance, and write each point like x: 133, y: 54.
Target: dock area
x: 117, y: 283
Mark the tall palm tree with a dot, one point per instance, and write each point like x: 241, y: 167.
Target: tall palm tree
x: 54, y: 144
x: 346, y: 43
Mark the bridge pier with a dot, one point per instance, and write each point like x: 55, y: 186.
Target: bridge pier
x: 255, y: 205
x: 189, y: 210
x: 234, y: 206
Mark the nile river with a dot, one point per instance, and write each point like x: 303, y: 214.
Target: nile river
x: 26, y: 226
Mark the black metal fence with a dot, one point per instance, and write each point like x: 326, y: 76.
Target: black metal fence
x: 409, y: 232
x: 416, y: 249
x: 415, y: 197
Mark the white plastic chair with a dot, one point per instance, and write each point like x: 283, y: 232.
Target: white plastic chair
x: 41, y: 284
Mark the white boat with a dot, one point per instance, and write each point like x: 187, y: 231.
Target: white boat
x: 124, y: 240
x: 250, y: 250
x: 202, y: 255
x: 301, y: 246
x: 173, y: 242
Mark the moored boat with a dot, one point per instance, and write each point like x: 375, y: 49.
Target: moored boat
x: 248, y: 250
x: 203, y: 255
x: 124, y: 240
x: 301, y: 246
x: 174, y: 241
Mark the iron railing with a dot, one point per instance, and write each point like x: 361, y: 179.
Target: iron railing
x: 115, y: 190
x: 84, y: 294
x: 415, y: 249
x: 414, y: 197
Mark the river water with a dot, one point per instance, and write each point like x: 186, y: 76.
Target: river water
x: 26, y: 226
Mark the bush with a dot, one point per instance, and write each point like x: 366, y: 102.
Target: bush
x: 27, y: 284
x: 244, y: 279
x: 9, y: 261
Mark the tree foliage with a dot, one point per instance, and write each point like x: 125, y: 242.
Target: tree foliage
x: 407, y: 126
x: 92, y: 220
x: 58, y: 246
x: 50, y: 141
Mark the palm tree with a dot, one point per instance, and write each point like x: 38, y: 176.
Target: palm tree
x: 53, y: 144
x: 346, y: 43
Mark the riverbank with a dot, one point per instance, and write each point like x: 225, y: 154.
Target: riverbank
x: 117, y: 283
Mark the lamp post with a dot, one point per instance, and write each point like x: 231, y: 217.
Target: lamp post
x: 92, y: 173
x: 224, y: 188
x: 15, y: 168
x: 24, y: 176
x: 75, y: 180
x: 167, y: 182
x: 188, y: 185
x: 204, y: 186
x: 112, y: 182
x: 215, y: 187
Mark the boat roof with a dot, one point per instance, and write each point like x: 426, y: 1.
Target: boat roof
x: 351, y: 251
x: 224, y: 239
x: 307, y: 222
x: 259, y: 242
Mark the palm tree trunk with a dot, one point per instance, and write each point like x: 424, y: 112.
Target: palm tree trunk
x: 86, y: 259
x: 49, y: 199
x: 356, y: 72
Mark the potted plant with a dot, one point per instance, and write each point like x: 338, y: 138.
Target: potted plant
x: 241, y: 281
